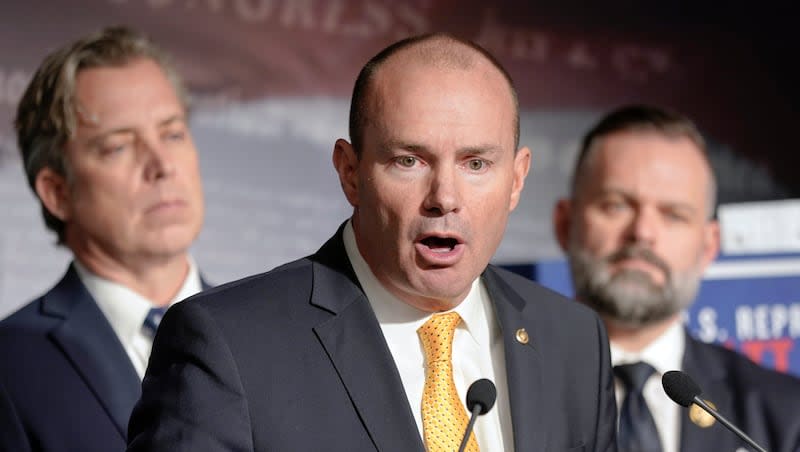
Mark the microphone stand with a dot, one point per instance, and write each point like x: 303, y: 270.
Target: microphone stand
x: 702, y: 404
x: 476, y: 410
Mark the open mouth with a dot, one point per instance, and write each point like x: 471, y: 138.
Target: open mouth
x: 440, y: 244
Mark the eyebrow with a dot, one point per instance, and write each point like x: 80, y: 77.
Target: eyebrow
x: 480, y: 149
x: 178, y: 117
x: 660, y: 203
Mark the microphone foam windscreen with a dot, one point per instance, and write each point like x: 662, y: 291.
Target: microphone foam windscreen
x: 680, y: 387
x: 481, y: 392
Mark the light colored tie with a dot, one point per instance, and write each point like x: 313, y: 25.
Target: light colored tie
x: 444, y: 418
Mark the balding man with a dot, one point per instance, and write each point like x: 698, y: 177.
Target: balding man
x: 372, y: 342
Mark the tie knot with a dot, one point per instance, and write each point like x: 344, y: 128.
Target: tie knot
x: 153, y: 318
x: 634, y: 376
x: 437, y: 336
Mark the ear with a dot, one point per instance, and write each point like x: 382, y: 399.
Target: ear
x: 53, y: 191
x: 562, y: 222
x: 711, y: 242
x: 522, y: 164
x: 345, y: 161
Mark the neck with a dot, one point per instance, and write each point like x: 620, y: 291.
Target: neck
x: 635, y: 339
x: 158, y: 280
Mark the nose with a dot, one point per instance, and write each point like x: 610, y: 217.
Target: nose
x: 158, y: 158
x: 443, y: 195
x: 644, y: 226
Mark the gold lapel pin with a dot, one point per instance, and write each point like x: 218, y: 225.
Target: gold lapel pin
x: 700, y: 417
x: 522, y: 336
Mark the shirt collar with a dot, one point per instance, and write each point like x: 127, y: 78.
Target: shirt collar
x: 474, y: 310
x: 124, y: 308
x: 664, y: 354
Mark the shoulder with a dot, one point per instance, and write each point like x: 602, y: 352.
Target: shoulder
x: 543, y: 312
x: 537, y: 297
x: 26, y: 321
x: 26, y: 340
x: 57, y: 303
x: 24, y: 315
x: 745, y: 376
x: 64, y: 298
x: 23, y: 334
x: 288, y: 281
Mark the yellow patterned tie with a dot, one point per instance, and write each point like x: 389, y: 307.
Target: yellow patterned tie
x: 444, y: 418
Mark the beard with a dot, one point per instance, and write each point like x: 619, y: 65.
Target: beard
x: 630, y: 297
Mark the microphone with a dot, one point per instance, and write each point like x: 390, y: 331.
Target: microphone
x: 480, y: 399
x: 684, y: 391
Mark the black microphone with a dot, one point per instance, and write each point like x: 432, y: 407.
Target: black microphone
x: 684, y: 391
x: 480, y: 399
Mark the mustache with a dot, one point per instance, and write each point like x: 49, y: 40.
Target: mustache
x: 639, y: 252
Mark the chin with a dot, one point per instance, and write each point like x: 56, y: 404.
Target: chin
x: 444, y: 297
x: 434, y: 304
x: 171, y: 244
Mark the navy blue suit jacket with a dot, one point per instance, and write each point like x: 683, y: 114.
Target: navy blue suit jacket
x: 66, y: 382
x: 295, y: 360
x: 762, y: 403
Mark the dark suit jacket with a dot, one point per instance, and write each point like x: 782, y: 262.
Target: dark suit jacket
x: 762, y: 403
x: 66, y: 382
x: 294, y: 360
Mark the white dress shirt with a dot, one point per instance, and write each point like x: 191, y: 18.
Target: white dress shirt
x: 664, y: 354
x: 477, y: 349
x: 126, y: 310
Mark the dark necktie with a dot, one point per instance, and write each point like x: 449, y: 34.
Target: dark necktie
x: 637, y: 430
x: 153, y: 319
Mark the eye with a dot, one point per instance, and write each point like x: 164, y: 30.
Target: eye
x: 115, y: 147
x: 175, y: 135
x: 476, y: 164
x: 407, y: 161
x: 676, y: 217
x: 613, y: 206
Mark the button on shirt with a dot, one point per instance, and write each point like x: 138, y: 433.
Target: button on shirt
x: 664, y: 354
x: 126, y: 310
x: 477, y: 349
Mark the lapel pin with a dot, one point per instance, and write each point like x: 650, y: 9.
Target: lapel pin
x: 699, y: 417
x: 522, y: 336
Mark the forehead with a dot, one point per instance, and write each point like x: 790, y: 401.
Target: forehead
x: 419, y: 97
x: 134, y: 91
x: 650, y: 166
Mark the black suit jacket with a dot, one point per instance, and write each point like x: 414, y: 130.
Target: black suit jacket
x: 762, y: 403
x: 294, y: 360
x: 66, y: 382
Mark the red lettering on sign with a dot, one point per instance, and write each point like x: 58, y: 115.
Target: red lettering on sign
x: 780, y: 349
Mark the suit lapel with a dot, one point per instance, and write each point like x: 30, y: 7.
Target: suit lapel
x: 355, y: 344
x: 205, y: 285
x: 708, y: 373
x: 90, y: 344
x: 523, y: 365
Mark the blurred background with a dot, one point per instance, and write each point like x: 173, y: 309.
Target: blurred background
x: 271, y: 81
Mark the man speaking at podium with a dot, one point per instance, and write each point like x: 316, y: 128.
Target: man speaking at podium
x: 639, y: 232
x: 370, y: 343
